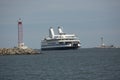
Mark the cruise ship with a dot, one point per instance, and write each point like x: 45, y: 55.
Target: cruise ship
x: 61, y: 41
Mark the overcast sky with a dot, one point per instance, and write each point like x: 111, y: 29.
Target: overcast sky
x: 88, y: 19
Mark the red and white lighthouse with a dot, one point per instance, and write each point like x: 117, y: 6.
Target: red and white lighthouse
x: 20, y: 35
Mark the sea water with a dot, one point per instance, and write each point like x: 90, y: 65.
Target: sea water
x: 81, y: 64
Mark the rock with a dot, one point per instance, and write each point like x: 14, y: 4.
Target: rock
x: 17, y: 51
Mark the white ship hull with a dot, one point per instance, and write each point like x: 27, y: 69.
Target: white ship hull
x: 60, y: 47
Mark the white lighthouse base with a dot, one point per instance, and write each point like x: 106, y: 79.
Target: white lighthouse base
x: 22, y: 46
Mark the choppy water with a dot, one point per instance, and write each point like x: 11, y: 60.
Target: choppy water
x: 83, y: 64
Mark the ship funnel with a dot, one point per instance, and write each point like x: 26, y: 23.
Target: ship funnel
x: 51, y: 32
x: 60, y: 30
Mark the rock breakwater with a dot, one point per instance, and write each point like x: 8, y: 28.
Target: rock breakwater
x: 17, y: 51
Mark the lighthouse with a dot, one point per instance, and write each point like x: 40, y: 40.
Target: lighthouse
x: 20, y: 35
x: 102, y: 42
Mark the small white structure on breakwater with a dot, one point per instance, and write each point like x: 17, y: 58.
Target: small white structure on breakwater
x: 103, y: 45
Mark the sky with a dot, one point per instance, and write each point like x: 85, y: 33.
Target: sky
x: 88, y: 19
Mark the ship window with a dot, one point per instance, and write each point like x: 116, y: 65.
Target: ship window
x: 67, y: 42
x: 61, y: 42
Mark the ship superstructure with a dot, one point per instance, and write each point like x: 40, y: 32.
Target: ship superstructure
x: 60, y: 41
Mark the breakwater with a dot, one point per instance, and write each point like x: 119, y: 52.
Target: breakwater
x: 17, y: 51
